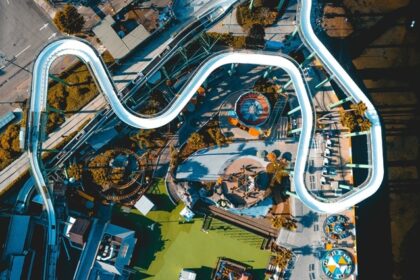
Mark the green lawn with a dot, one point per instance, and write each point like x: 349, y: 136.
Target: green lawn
x: 171, y: 246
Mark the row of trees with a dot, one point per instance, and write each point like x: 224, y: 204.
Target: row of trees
x: 9, y: 145
x: 75, y: 91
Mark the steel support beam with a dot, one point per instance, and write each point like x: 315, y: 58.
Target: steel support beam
x: 338, y: 103
x: 294, y: 110
x: 357, y: 133
x: 357, y: 165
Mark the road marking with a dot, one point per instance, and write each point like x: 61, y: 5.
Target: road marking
x: 22, y: 51
x: 44, y: 26
x: 52, y: 36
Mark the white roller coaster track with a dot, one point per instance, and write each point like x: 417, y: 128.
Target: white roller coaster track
x: 88, y: 55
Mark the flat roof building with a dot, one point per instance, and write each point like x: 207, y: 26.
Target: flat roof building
x: 118, y: 43
x: 187, y: 275
x: 107, y: 252
x: 79, y: 231
x: 144, y: 205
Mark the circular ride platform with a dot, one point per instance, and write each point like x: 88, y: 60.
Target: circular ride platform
x: 252, y: 109
x: 337, y: 227
x: 337, y: 264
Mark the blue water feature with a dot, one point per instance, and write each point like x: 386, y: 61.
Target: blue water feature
x: 259, y: 210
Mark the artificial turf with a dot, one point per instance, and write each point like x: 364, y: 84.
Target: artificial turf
x: 165, y: 245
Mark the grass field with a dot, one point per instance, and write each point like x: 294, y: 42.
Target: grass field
x: 165, y: 245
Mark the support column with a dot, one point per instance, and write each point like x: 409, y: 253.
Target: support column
x: 52, y: 109
x: 286, y: 85
x: 290, y: 193
x: 182, y: 52
x: 295, y: 130
x: 232, y: 69
x: 165, y: 73
x: 204, y: 40
x: 281, y: 3
x: 345, y: 187
x: 294, y: 110
x: 267, y: 72
x: 357, y: 165
x: 348, y: 98
x: 294, y: 31
x: 357, y: 133
x: 58, y: 80
x: 324, y: 82
x: 251, y: 5
x: 309, y: 58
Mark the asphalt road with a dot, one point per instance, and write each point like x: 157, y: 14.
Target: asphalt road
x: 24, y: 29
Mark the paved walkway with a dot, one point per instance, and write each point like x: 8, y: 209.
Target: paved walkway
x: 207, y: 164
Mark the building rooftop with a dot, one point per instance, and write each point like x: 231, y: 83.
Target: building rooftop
x: 187, y: 275
x: 115, y: 249
x: 18, y: 231
x: 144, y: 205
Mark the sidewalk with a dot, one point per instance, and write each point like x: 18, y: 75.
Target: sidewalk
x: 46, y: 7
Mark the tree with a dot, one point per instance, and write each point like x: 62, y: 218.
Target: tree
x: 365, y: 125
x: 6, y: 157
x: 10, y: 139
x: 196, y: 141
x: 277, y: 170
x: 348, y: 119
x: 255, y: 36
x: 359, y: 108
x: 174, y: 155
x: 276, y: 222
x: 143, y: 138
x: 75, y: 171
x: 69, y: 20
x: 272, y: 157
x: 354, y: 118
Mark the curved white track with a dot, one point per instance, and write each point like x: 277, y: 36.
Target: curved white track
x: 87, y: 54
x: 350, y: 87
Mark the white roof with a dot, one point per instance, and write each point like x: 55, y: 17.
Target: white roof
x: 144, y: 205
x: 187, y: 275
x: 187, y: 213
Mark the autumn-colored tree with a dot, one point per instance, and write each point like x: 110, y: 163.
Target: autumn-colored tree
x: 143, y: 138
x: 354, y: 118
x: 196, y: 141
x: 5, y: 157
x: 365, y: 125
x: 99, y: 169
x: 10, y: 139
x: 277, y: 170
x: 174, y: 155
x: 359, y: 108
x: 348, y: 119
x: 75, y: 171
x: 272, y: 157
x: 69, y: 20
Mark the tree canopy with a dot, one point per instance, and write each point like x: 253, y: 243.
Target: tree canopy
x: 255, y: 36
x: 69, y: 20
